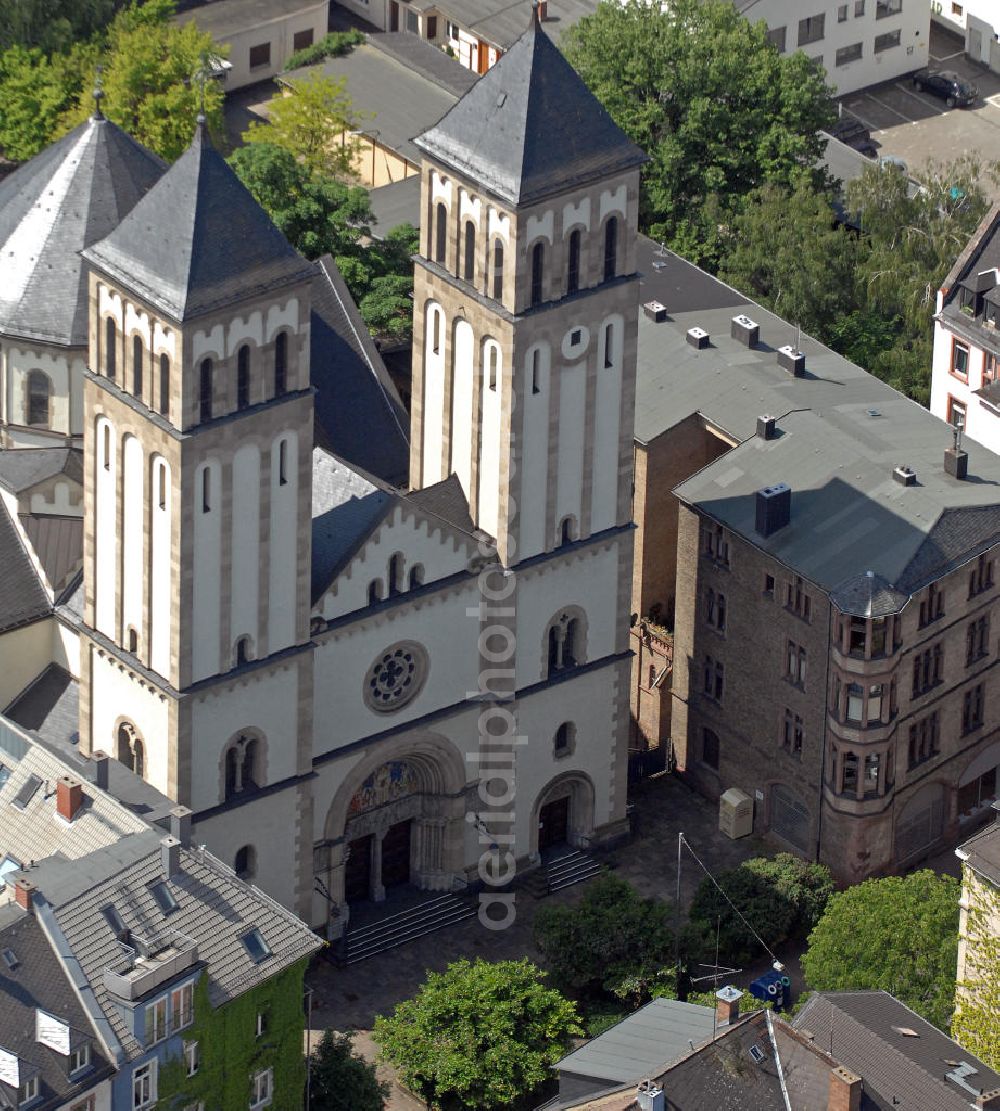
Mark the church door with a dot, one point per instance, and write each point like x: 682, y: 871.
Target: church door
x: 358, y: 871
x: 396, y: 855
x: 553, y: 824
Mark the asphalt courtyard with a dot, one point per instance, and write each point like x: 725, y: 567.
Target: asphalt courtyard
x: 918, y: 127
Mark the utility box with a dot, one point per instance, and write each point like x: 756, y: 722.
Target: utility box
x: 736, y: 813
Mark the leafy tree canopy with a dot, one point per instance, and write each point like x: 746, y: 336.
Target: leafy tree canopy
x: 612, y: 941
x: 478, y: 1035
x: 311, y: 122
x: 52, y: 24
x: 713, y: 104
x: 341, y: 1080
x: 898, y: 934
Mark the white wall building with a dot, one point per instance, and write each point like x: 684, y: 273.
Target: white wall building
x: 977, y: 21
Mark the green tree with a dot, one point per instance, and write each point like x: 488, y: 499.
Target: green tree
x: 478, y: 1035
x: 612, y: 941
x: 977, y: 1002
x: 320, y: 215
x: 342, y: 1080
x: 311, y: 121
x: 780, y: 898
x: 898, y: 934
x: 52, y: 25
x: 713, y: 104
x: 333, y: 45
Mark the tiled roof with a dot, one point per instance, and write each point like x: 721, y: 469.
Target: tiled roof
x: 215, y: 909
x: 864, y: 1030
x: 65, y: 198
x: 22, y: 468
x: 22, y: 595
x: 358, y: 413
x: 868, y: 595
x: 445, y: 499
x: 214, y: 243
x: 530, y: 127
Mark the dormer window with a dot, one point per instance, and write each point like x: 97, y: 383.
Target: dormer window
x: 79, y: 1058
x: 970, y: 303
x: 163, y: 897
x: 28, y: 1091
x: 256, y: 946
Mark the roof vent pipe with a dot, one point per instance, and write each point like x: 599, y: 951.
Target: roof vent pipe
x: 956, y: 461
x: 97, y: 770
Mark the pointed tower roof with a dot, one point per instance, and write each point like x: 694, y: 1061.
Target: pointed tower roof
x: 198, y: 240
x: 65, y: 198
x: 530, y: 127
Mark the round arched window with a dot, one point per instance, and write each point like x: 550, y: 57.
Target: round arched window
x: 395, y: 677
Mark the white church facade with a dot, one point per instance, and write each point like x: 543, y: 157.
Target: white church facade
x: 356, y: 682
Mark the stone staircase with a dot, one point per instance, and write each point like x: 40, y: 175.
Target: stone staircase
x: 388, y: 933
x: 569, y: 867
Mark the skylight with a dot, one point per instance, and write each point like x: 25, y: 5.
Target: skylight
x: 256, y: 946
x: 113, y: 919
x: 10, y: 959
x: 8, y: 865
x: 4, y: 775
x: 27, y: 791
x: 164, y: 897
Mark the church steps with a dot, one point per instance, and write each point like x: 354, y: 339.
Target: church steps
x: 405, y: 927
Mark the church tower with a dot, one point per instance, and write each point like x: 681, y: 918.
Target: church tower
x: 525, y: 305
x: 196, y: 663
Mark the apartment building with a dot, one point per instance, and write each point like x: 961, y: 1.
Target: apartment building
x: 977, y: 22
x: 858, y: 43
x: 964, y: 387
x: 827, y: 563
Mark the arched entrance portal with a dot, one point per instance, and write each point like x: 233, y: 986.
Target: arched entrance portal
x: 380, y: 859
x: 563, y: 813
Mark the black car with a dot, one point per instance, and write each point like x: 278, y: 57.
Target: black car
x: 854, y: 134
x: 946, y: 84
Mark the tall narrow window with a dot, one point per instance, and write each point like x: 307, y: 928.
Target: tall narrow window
x: 497, y: 270
x: 110, y: 347
x: 537, y: 267
x: 165, y: 385
x: 536, y: 385
x: 416, y: 575
x: 280, y: 363
x: 39, y: 389
x: 573, y: 270
x: 243, y: 377
x: 609, y: 346
x: 133, y: 641
x: 436, y: 331
x: 441, y: 234
x: 492, y: 361
x: 283, y: 463
x: 469, y: 252
x: 162, y: 475
x: 205, y: 390
x: 137, y: 357
x: 610, y: 248
x: 107, y: 447
x: 206, y: 490
x: 395, y: 575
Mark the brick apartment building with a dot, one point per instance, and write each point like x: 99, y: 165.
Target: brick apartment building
x: 826, y: 559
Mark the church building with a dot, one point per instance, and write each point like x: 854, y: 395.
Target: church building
x: 269, y: 621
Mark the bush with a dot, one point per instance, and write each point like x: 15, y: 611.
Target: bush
x: 341, y: 1080
x: 780, y: 898
x: 329, y: 46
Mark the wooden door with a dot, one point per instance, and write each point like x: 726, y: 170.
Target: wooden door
x: 396, y: 855
x: 393, y: 16
x: 483, y: 57
x: 358, y: 870
x: 553, y: 824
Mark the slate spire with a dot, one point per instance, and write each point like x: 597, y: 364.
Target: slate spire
x: 530, y: 127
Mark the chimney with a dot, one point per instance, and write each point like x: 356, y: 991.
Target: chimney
x: 745, y: 330
x: 97, y: 769
x: 956, y: 462
x: 69, y: 797
x: 727, y: 1005
x: 845, y: 1090
x: 792, y: 360
x: 24, y: 893
x: 697, y: 338
x: 180, y: 825
x: 649, y: 1096
x: 989, y: 1100
x: 170, y: 856
x: 766, y: 427
x: 905, y: 476
x: 774, y: 508
x: 656, y: 311
x: 543, y: 10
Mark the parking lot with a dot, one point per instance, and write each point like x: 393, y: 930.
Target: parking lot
x: 916, y: 126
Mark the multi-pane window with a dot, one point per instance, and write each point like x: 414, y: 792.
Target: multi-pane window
x: 795, y: 670
x: 811, y: 29
x: 977, y: 640
x: 925, y: 739
x: 859, y: 8
x: 144, y: 1086
x: 182, y: 1006
x: 958, y: 412
x: 863, y: 707
x: 855, y: 702
x: 989, y: 367
x: 887, y: 41
x: 885, y: 8
x: 777, y: 37
x: 28, y: 1092
x: 715, y: 609
x: 792, y: 733
x: 261, y: 1088
x: 710, y: 748
x: 931, y: 605
x: 715, y: 678
x: 80, y: 1058
x: 981, y: 576
x: 928, y: 669
x: 842, y: 10
x: 850, y: 765
x: 39, y: 391
x: 715, y: 543
x: 847, y: 54
x: 798, y: 601
x: 972, y: 709
x: 157, y: 1025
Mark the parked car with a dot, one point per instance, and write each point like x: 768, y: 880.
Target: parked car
x: 853, y: 133
x: 891, y: 162
x: 946, y: 84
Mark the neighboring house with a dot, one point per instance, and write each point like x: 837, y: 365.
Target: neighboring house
x: 977, y: 22
x: 965, y: 390
x: 134, y: 967
x: 476, y: 32
x: 261, y: 34
x: 858, y: 43
x: 863, y: 721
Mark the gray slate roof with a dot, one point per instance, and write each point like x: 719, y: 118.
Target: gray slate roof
x: 39, y: 982
x: 423, y: 57
x: 395, y: 204
x: 898, y: 1070
x: 530, y: 127
x: 981, y: 254
x: 982, y: 852
x: 198, y: 240
x: 225, y: 18
x: 22, y: 596
x: 70, y: 195
x: 500, y: 22
x: 22, y: 468
x: 58, y: 544
x: 358, y: 413
x: 841, y: 432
